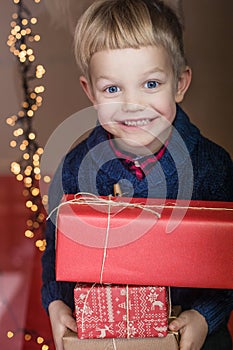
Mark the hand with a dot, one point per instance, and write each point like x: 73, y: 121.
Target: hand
x: 193, y: 329
x: 61, y: 318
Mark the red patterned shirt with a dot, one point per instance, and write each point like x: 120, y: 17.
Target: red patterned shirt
x: 140, y: 166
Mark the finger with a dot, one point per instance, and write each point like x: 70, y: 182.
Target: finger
x: 186, y: 342
x: 177, y: 324
x: 59, y: 344
x: 71, y: 324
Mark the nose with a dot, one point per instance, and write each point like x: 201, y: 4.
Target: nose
x: 132, y: 103
x: 132, y: 107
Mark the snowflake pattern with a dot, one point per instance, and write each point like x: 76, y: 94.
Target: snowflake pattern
x: 118, y: 311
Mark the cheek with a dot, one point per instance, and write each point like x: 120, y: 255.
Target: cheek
x: 171, y: 113
x: 103, y: 114
x: 166, y: 106
x: 107, y: 111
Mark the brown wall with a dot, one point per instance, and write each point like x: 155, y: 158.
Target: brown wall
x: 208, y: 39
x: 209, y: 47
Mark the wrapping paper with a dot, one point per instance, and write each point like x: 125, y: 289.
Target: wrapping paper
x: 71, y: 342
x: 186, y: 244
x: 120, y: 311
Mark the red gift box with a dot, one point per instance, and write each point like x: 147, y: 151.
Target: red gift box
x: 120, y: 311
x: 186, y: 244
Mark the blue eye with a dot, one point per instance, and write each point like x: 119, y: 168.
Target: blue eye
x: 113, y: 89
x: 151, y: 84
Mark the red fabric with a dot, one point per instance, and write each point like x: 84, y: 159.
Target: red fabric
x: 170, y: 251
x: 111, y: 311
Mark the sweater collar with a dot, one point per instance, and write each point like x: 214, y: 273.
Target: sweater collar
x: 181, y: 145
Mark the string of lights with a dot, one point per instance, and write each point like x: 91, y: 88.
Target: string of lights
x: 27, y: 168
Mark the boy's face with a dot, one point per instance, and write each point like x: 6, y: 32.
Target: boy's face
x: 135, y: 94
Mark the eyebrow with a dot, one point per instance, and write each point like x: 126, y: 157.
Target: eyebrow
x: 150, y: 71
x: 102, y: 77
x: 153, y: 70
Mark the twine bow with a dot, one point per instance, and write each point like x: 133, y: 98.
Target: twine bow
x: 81, y: 198
x: 91, y: 199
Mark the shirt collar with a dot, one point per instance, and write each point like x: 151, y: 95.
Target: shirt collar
x: 140, y: 165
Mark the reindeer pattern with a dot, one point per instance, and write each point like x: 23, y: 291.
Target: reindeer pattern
x: 110, y: 311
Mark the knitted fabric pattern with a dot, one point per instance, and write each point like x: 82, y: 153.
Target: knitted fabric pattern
x: 93, y: 167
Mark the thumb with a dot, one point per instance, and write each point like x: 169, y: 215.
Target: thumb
x: 177, y: 324
x: 71, y: 324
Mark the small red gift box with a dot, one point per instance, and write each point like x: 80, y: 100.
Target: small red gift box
x: 120, y: 311
x: 145, y: 242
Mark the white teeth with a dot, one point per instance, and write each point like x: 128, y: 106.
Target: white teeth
x: 137, y: 122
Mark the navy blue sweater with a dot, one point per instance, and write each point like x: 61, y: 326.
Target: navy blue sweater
x: 192, y: 167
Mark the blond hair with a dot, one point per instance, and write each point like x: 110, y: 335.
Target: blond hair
x: 119, y: 24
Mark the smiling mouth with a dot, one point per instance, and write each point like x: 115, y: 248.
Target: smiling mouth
x: 141, y: 122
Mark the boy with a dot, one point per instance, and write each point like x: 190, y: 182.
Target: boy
x: 135, y: 74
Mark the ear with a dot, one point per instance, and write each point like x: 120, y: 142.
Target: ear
x: 87, y: 88
x: 183, y: 84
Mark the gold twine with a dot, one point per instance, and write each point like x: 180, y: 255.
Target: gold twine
x: 127, y: 311
x: 81, y: 198
x: 85, y: 305
x: 114, y: 344
x: 91, y: 199
x: 105, y: 244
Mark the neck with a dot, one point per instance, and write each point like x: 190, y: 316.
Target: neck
x: 142, y: 151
